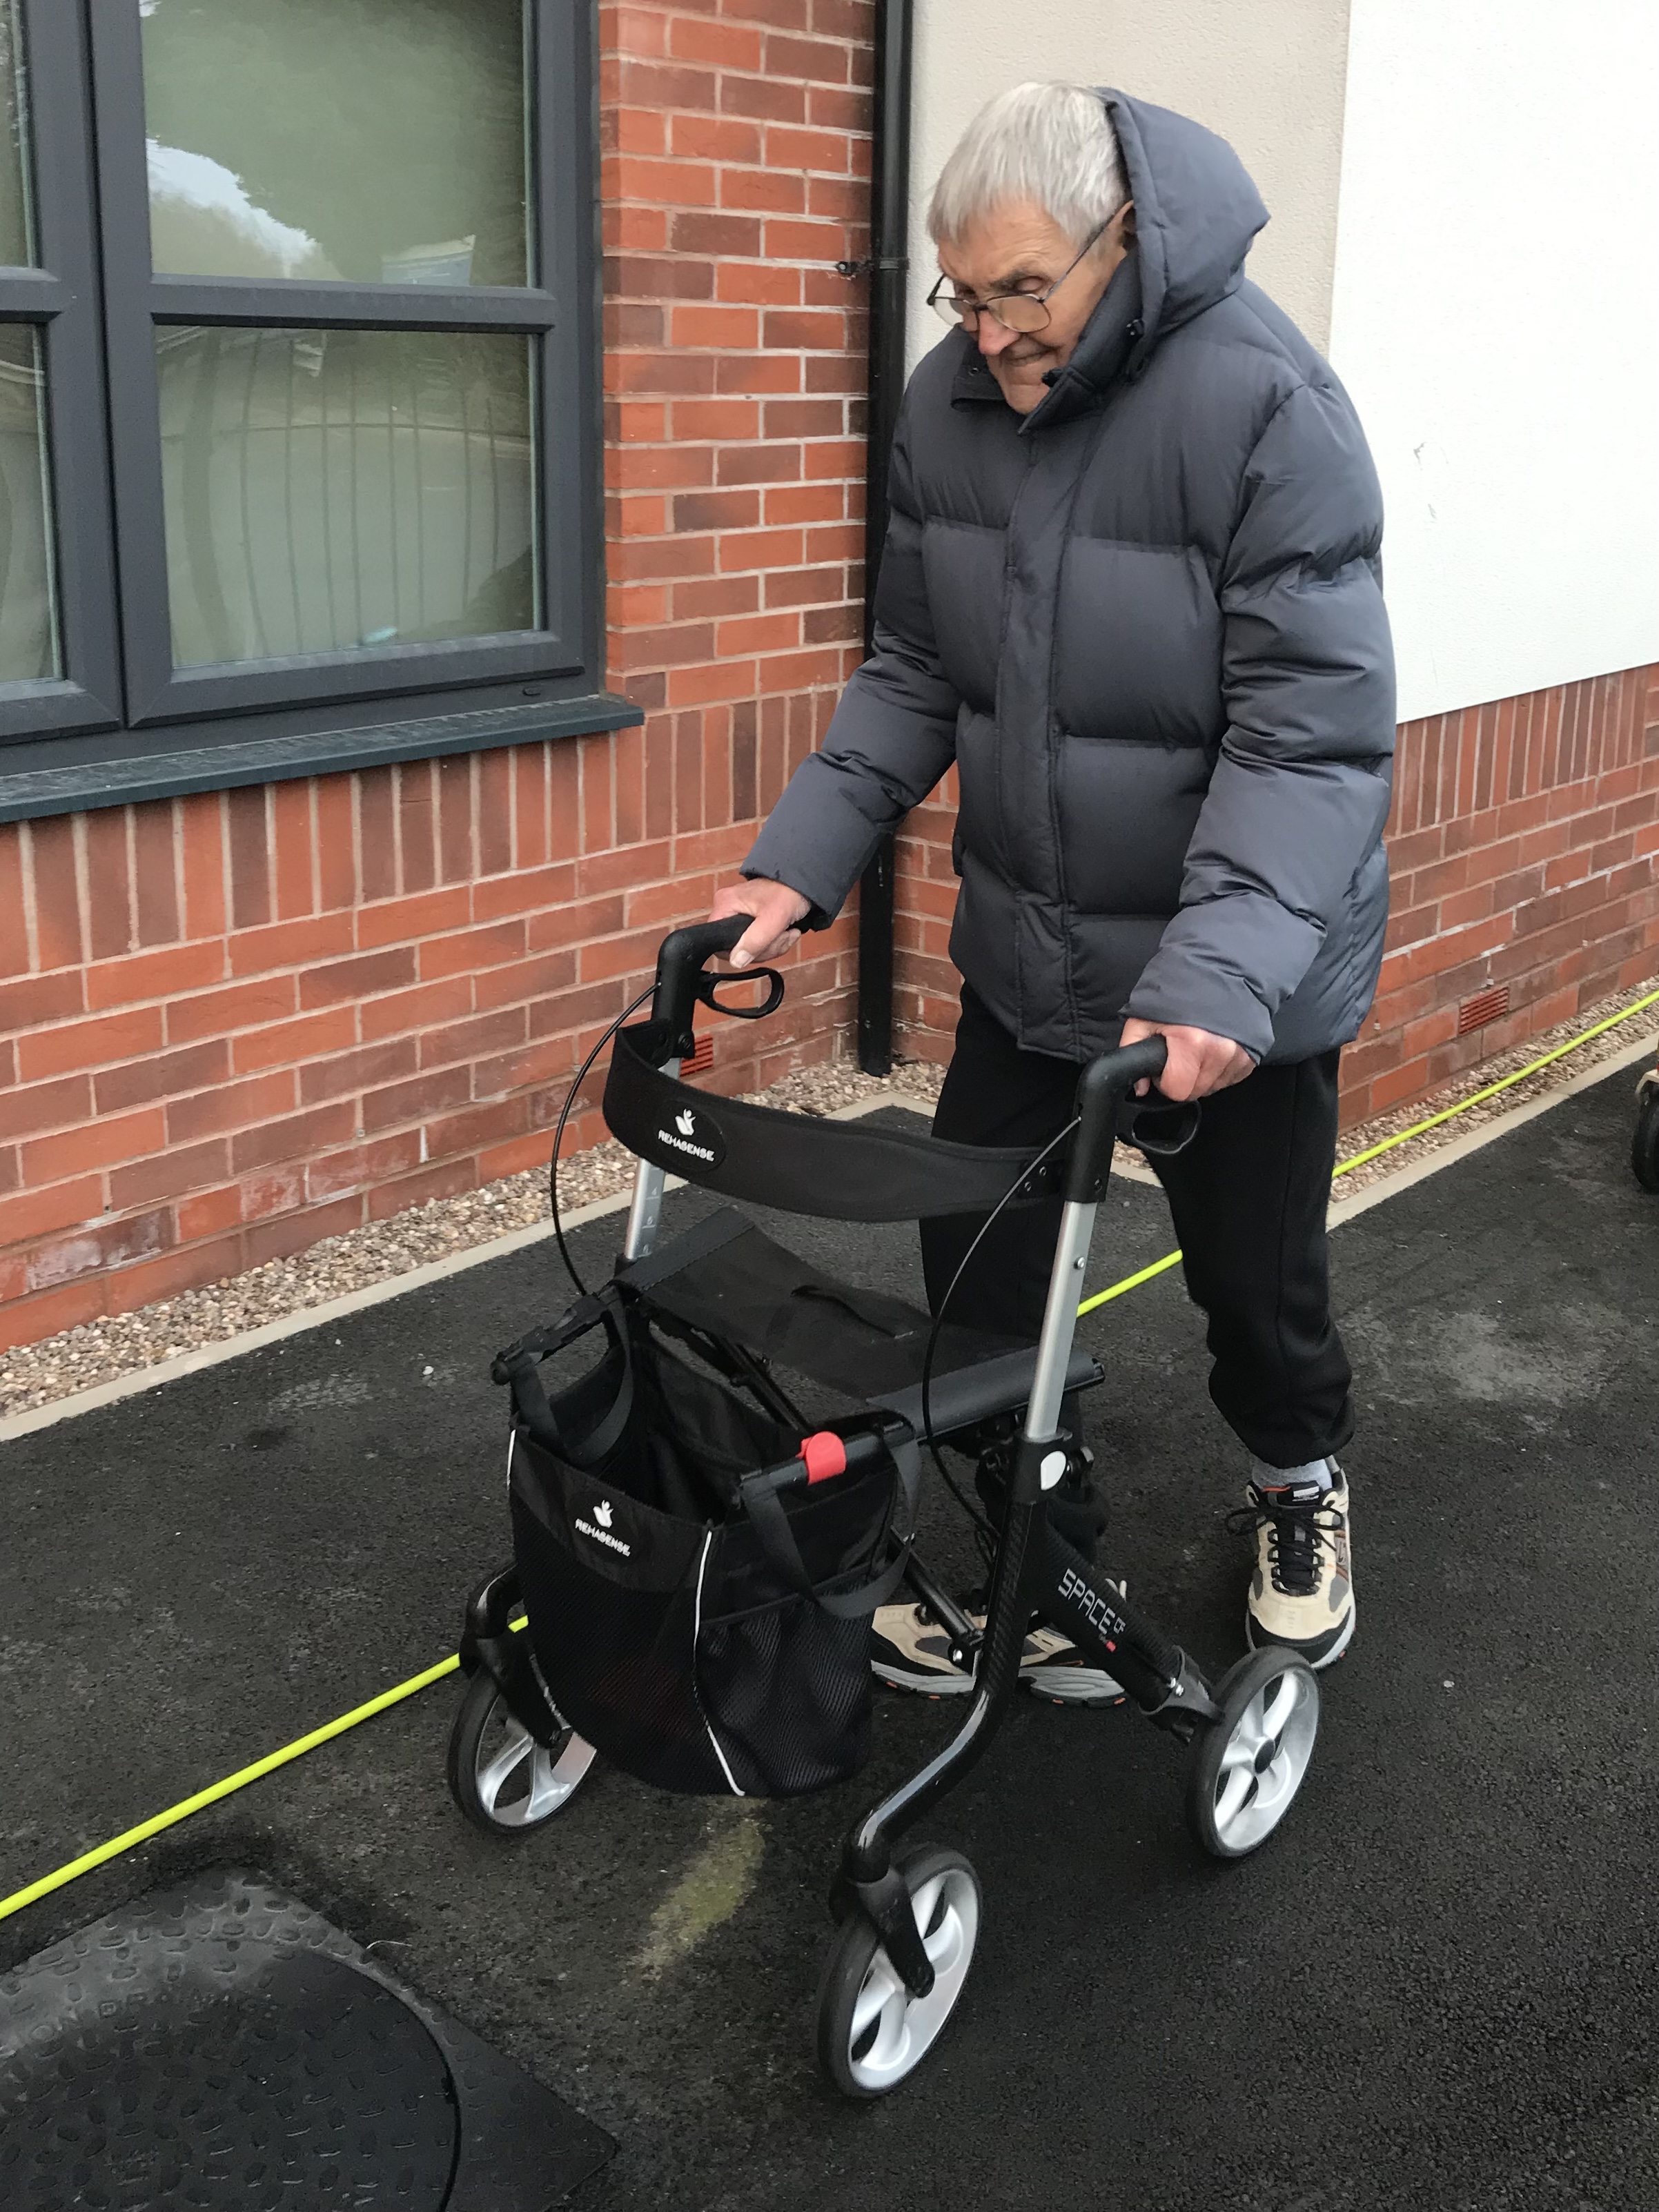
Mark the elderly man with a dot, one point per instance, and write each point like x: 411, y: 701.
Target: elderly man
x: 1131, y: 588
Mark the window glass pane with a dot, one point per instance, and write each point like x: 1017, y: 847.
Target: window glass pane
x: 28, y: 610
x: 378, y: 141
x: 16, y: 229
x: 332, y: 488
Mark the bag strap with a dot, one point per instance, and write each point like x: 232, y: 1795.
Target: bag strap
x: 519, y: 1368
x: 777, y: 1539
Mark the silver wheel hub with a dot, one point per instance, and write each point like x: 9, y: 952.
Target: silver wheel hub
x: 1265, y: 1757
x: 519, y: 1781
x: 891, y: 2029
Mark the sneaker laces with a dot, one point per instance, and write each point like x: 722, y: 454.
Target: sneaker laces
x: 1297, y: 1529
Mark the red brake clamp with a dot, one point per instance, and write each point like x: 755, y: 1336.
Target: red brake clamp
x: 825, y: 1455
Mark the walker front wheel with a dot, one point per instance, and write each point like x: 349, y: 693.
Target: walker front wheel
x: 871, y: 2033
x: 502, y: 1779
x: 1247, y: 1766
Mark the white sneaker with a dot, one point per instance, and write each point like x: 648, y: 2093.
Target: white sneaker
x: 911, y: 1650
x: 1301, y: 1592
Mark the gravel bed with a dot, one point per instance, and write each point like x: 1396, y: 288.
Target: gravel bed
x: 123, y: 1344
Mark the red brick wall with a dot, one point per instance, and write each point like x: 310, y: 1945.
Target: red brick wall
x: 1524, y: 850
x: 1524, y: 846
x: 736, y: 174
x: 231, y: 1025
x: 238, y: 1023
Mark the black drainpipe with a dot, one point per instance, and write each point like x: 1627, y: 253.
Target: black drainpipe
x: 890, y: 225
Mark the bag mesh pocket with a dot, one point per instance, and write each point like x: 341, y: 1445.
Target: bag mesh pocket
x: 787, y: 1689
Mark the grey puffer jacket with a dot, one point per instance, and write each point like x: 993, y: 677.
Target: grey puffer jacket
x: 1146, y: 621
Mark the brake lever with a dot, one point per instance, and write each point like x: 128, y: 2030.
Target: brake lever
x: 1160, y: 1127
x: 708, y: 988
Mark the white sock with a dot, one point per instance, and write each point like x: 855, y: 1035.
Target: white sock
x: 1277, y: 1478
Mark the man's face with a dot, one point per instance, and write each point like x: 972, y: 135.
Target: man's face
x: 1018, y: 248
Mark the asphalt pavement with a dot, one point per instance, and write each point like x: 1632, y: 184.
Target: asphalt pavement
x: 1434, y: 1988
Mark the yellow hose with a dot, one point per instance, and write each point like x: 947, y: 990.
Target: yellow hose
x: 215, y: 1790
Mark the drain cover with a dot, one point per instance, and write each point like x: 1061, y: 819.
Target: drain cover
x: 221, y: 2044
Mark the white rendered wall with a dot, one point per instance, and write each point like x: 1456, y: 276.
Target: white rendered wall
x: 1496, y: 317
x: 1266, y: 74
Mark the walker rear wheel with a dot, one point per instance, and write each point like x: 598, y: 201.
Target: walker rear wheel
x: 1645, y: 1145
x: 502, y: 1779
x: 1247, y: 1766
x: 871, y: 2033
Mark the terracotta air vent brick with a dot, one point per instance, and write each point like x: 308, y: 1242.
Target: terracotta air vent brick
x: 1485, y: 1006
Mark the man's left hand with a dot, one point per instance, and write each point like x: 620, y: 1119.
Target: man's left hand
x: 1198, y: 1063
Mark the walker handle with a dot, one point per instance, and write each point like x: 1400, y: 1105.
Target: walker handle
x: 680, y: 960
x: 1102, y: 1088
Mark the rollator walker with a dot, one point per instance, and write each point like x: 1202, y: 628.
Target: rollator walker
x: 762, y: 1684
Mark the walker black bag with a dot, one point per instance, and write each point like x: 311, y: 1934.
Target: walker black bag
x: 687, y: 1640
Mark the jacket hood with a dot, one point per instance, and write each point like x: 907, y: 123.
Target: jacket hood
x: 1196, y: 213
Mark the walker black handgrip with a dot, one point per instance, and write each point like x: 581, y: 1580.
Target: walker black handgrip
x: 680, y: 960
x: 1102, y: 1088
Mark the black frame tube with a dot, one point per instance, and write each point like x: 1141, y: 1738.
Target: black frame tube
x: 1037, y: 1570
x: 888, y: 266
x: 869, y: 1853
x: 490, y: 1641
x: 875, y: 1007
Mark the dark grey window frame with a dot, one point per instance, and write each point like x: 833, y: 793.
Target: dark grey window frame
x: 70, y: 743
x: 60, y: 300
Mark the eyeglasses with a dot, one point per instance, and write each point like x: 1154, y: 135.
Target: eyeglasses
x: 1026, y: 313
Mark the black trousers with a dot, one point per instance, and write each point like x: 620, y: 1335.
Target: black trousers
x: 1248, y: 1196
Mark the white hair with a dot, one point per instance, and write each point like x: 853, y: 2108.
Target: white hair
x: 1052, y: 144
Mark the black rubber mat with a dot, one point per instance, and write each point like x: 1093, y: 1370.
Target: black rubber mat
x: 221, y: 2044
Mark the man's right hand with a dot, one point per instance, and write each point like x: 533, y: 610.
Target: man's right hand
x: 776, y: 909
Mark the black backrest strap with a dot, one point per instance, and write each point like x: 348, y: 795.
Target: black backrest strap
x: 801, y: 1163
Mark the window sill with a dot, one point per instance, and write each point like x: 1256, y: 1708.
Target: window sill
x: 130, y: 779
